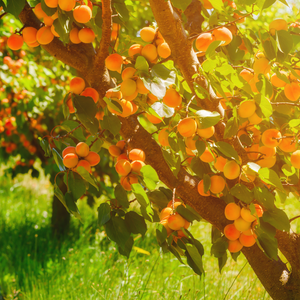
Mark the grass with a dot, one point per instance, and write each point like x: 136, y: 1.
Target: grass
x: 85, y: 264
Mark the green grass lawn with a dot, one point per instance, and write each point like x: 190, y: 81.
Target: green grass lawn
x: 86, y: 265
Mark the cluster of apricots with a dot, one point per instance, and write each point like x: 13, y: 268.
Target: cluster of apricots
x: 80, y: 156
x: 173, y: 221
x: 241, y: 232
x: 82, y: 14
x: 129, y: 163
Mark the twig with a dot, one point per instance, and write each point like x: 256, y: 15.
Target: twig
x: 98, y: 137
x: 173, y: 199
x: 1, y: 16
x: 285, y: 103
x: 188, y: 105
x: 67, y: 134
x: 242, y: 67
x: 292, y: 219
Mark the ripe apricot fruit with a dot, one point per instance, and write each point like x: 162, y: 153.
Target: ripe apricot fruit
x: 114, y: 150
x: 165, y: 213
x: 86, y: 35
x: 15, y: 42
x: 128, y: 73
x: 51, y: 3
x: 292, y: 91
x: 288, y: 143
x: 190, y: 143
x: 261, y: 65
x: 92, y: 158
x: 82, y: 149
x: 68, y: 150
x: 278, y: 24
x: 200, y: 189
x: 217, y: 184
x: 70, y: 105
x: 255, y: 119
x: 220, y: 163
x: 207, y: 4
x: 29, y: 35
x: 172, y: 98
x: 90, y: 92
x: 136, y: 166
x: 267, y: 162
x: 187, y: 127
x: 77, y: 85
x: 39, y: 11
x: 222, y: 34
x: 82, y: 14
x: 135, y: 49
x: 70, y: 160
x: 163, y: 137
x: 44, y: 35
x: 204, y: 40
x: 246, y: 215
x: 48, y: 21
x: 147, y: 34
x: 271, y: 138
x: 66, y: 5
x: 234, y: 246
x: 127, y: 181
x: 164, y: 222
x: 247, y: 108
x: 276, y: 81
x: 175, y: 222
x: 231, y: 170
x: 207, y: 132
x: 149, y: 52
x: 53, y: 31
x: 137, y: 154
x: 241, y: 224
x: 153, y: 119
x: 232, y: 211
x: 128, y: 87
x: 141, y: 87
x: 207, y: 156
x: 74, y: 38
x: 123, y: 167
x: 114, y: 62
x: 295, y: 159
x: 231, y: 232
x: 247, y: 240
x: 163, y: 50
x: 259, y: 210
x: 85, y: 164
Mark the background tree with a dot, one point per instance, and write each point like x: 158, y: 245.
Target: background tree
x: 225, y: 110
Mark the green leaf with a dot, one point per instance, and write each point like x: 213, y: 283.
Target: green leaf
x: 188, y: 213
x: 112, y: 124
x: 227, y: 150
x: 268, y: 244
x: 72, y: 207
x: 121, y: 196
x: 13, y: 7
x: 278, y: 219
x: 163, y: 110
x: 76, y: 184
x: 201, y: 146
x: 181, y: 4
x: 113, y: 104
x: 126, y: 250
x: 87, y: 176
x: 271, y: 177
x: 241, y: 192
x: 141, y: 64
x: 159, y: 198
x: 294, y: 123
x: 284, y: 41
x: 264, y: 197
x: 142, y: 199
x: 48, y: 10
x: 135, y: 223
x: 117, y: 231
x: 168, y: 76
x: 150, y: 177
x: 161, y: 234
x: 206, y: 182
x: 288, y: 170
x: 58, y: 159
x: 58, y: 193
x: 207, y: 118
x: 210, y: 52
x: 219, y: 247
x: 195, y: 256
x: 155, y: 86
x: 103, y: 214
x: 45, y: 146
x: 222, y: 261
x: 231, y: 128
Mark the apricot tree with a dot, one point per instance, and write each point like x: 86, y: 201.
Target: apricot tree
x: 202, y: 103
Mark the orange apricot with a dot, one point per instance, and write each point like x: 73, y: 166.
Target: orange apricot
x: 39, y: 11
x: 261, y: 65
x: 77, y: 85
x: 163, y: 50
x: 112, y: 94
x: 288, y: 143
x: 15, y: 42
x: 267, y: 151
x: 259, y: 210
x: 70, y: 105
x: 127, y: 109
x: 137, y: 154
x: 207, y: 132
x: 246, y: 215
x: 163, y: 137
x: 90, y: 92
x: 217, y: 184
x: 247, y: 240
x: 128, y: 87
x: 136, y: 166
x: 153, y: 119
x: 231, y: 170
x: 231, y: 232
x: 295, y: 159
x: 66, y: 5
x: 165, y: 213
x: 82, y: 149
x: 247, y: 174
x: 86, y: 35
x: 85, y: 164
x: 123, y: 167
x: 220, y: 163
x: 172, y: 98
x: 131, y: 97
x: 232, y: 211
x: 74, y: 38
x: 177, y: 202
x: 149, y: 52
x: 51, y: 3
x: 175, y: 222
x: 53, y: 31
x: 164, y: 222
x: 292, y: 91
x: 48, y: 21
x: 127, y: 181
x: 29, y: 35
x: 246, y: 108
x: 206, y: 4
x: 222, y: 34
x: 190, y: 143
x: 128, y: 73
x: 44, y: 35
x: 114, y: 150
x: 82, y: 14
x: 187, y: 127
x: 255, y: 119
x: 151, y: 99
x: 114, y: 62
x: 121, y: 144
x: 278, y: 24
x: 276, y: 81
x: 200, y: 189
x: 69, y: 149
x: 234, y: 246
x: 241, y: 224
x: 135, y: 49
x: 92, y: 158
x: 204, y: 40
x: 147, y: 34
x: 141, y: 87
x: 271, y: 138
x: 267, y: 162
x: 70, y: 160
x: 207, y: 156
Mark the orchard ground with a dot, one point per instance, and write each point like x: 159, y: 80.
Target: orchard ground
x: 85, y: 265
